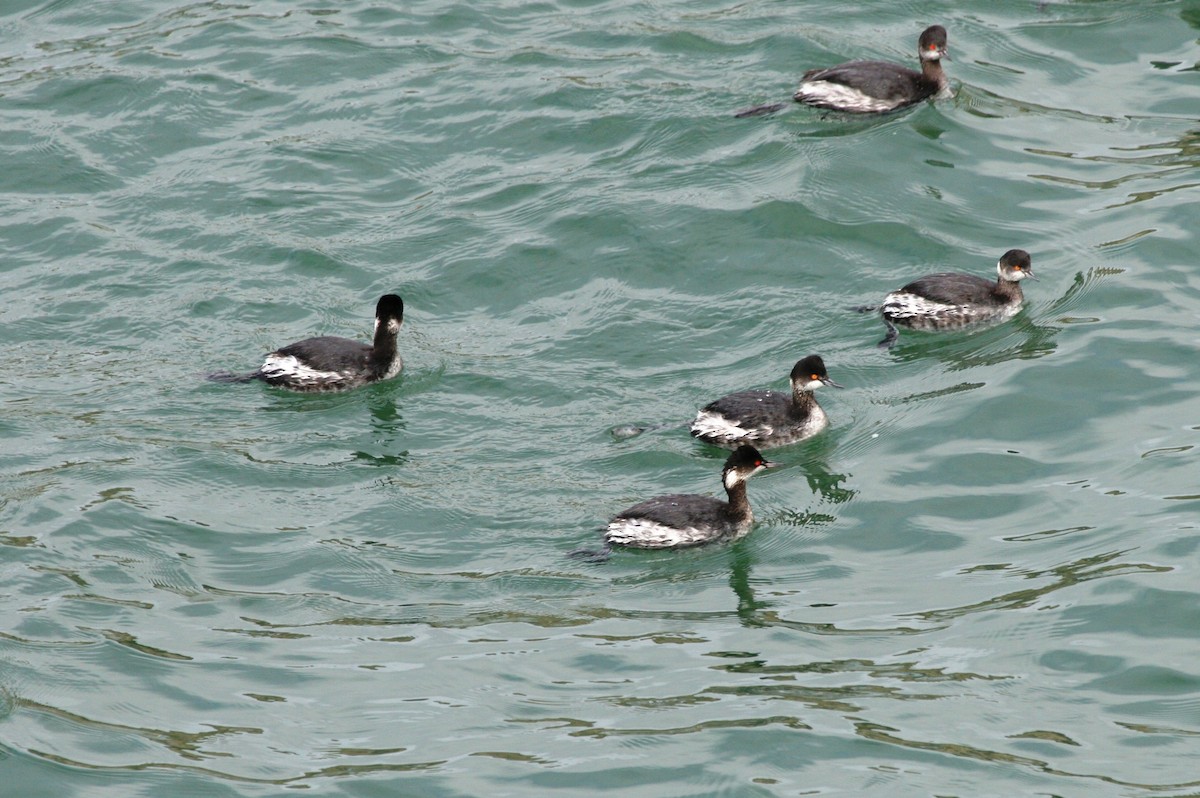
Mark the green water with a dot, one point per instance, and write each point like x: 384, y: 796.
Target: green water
x: 978, y: 582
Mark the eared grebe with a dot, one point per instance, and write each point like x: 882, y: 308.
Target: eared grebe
x: 329, y: 363
x: 872, y: 87
x: 677, y: 521
x: 951, y: 301
x: 768, y: 418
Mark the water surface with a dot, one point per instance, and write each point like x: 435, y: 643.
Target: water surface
x: 977, y: 582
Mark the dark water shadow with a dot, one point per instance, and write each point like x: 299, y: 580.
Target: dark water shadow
x: 822, y: 480
x: 979, y: 347
x: 740, y: 567
x: 388, y: 425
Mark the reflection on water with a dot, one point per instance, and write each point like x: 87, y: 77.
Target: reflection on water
x: 982, y: 347
x: 739, y: 579
x: 1053, y: 579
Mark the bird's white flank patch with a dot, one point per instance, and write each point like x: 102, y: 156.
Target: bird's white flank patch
x: 287, y: 367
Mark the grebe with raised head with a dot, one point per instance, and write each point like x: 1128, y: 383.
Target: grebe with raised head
x: 951, y: 301
x: 768, y: 418
x: 330, y: 363
x: 873, y: 87
x: 683, y: 520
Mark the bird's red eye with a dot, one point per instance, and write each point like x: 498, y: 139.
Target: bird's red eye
x: 815, y: 377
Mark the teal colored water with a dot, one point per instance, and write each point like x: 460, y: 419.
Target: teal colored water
x: 980, y: 581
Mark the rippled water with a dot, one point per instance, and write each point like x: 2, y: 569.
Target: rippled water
x: 977, y: 582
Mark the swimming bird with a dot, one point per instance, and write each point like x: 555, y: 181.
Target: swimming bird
x: 873, y: 87
x: 330, y: 363
x: 768, y: 418
x: 684, y: 520
x: 952, y: 301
